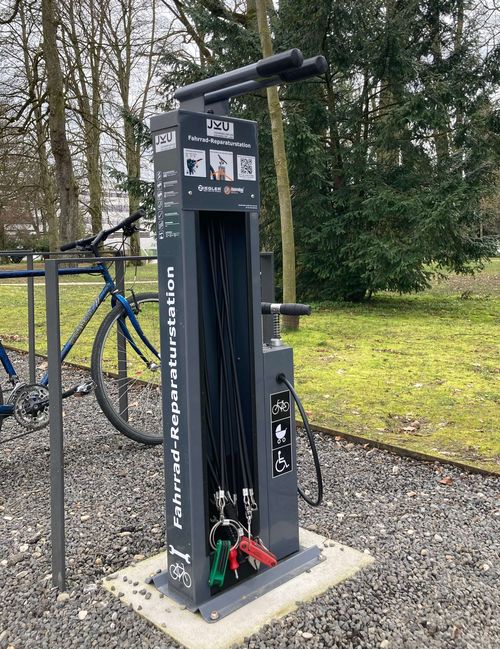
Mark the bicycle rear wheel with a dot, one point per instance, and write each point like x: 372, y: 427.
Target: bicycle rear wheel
x: 127, y: 373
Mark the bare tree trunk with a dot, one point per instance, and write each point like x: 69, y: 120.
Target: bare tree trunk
x: 86, y: 52
x: 459, y: 33
x: 338, y: 175
x: 387, y: 156
x: 47, y: 185
x: 48, y: 207
x: 126, y: 43
x: 66, y: 182
x: 133, y: 162
x: 441, y: 132
x: 281, y: 166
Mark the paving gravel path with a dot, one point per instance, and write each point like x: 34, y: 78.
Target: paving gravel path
x: 433, y: 531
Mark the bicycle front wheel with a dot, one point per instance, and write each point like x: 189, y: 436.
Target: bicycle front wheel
x: 126, y: 370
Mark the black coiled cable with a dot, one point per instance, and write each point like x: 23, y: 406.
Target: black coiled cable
x: 281, y: 378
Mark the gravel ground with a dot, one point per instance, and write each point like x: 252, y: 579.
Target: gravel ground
x: 433, y: 531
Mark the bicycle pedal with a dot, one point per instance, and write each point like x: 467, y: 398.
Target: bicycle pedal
x: 83, y: 389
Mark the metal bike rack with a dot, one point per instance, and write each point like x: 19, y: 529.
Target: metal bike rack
x: 206, y: 181
x: 56, y: 426
x: 30, y: 286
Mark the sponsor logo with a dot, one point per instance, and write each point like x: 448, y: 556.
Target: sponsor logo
x: 219, y: 128
x: 208, y: 188
x: 165, y: 141
x: 228, y: 190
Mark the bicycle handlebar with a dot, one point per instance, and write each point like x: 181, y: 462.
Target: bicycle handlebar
x: 79, y: 243
x: 285, y: 309
x: 103, y: 234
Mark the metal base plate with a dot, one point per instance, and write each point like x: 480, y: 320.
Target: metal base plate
x: 262, y: 582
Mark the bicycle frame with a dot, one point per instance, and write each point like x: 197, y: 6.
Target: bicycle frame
x: 108, y: 289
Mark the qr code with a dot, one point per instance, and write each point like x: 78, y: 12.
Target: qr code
x: 246, y: 167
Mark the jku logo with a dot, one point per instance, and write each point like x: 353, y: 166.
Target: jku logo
x: 165, y: 141
x: 218, y: 128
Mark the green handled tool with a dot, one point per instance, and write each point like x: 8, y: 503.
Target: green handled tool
x: 219, y: 565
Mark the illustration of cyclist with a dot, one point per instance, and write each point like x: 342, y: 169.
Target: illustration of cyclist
x: 192, y: 164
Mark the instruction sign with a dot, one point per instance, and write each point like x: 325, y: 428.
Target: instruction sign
x: 219, y: 159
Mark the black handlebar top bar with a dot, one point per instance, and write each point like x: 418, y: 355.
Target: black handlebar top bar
x: 104, y: 234
x: 309, y: 68
x: 285, y: 309
x: 270, y: 66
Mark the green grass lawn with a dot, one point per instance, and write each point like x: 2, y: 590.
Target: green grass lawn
x: 419, y: 371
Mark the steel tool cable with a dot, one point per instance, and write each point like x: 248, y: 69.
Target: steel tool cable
x: 281, y: 378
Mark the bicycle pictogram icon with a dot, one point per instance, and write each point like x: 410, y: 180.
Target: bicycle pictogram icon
x: 178, y: 573
x: 280, y: 406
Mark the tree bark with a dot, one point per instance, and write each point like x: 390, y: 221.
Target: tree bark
x: 123, y: 47
x: 88, y: 93
x: 440, y: 133
x: 133, y: 162
x: 281, y: 166
x: 49, y: 198
x: 66, y: 182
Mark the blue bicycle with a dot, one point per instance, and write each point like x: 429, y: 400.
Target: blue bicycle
x: 125, y: 362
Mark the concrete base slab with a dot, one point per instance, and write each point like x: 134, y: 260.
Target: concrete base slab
x: 191, y: 630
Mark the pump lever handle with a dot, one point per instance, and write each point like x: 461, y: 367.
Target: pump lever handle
x: 285, y: 309
x: 268, y: 67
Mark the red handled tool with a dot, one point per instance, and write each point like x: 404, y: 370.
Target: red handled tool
x: 233, y: 562
x: 258, y: 552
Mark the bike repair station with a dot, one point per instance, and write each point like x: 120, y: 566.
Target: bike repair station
x: 228, y: 398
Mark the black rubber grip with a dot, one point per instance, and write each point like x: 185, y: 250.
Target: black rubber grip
x: 310, y: 68
x: 279, y: 62
x: 285, y: 309
x: 131, y: 219
x: 79, y: 242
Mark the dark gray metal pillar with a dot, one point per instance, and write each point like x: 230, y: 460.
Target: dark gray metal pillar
x: 56, y: 425
x: 206, y: 182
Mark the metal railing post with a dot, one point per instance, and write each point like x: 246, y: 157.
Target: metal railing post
x: 31, y: 320
x: 121, y: 346
x: 56, y: 424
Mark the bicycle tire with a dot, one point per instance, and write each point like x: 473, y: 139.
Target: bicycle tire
x: 141, y: 421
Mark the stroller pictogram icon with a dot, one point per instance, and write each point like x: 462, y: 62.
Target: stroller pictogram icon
x: 280, y: 434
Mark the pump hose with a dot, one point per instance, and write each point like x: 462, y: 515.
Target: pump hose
x: 281, y: 378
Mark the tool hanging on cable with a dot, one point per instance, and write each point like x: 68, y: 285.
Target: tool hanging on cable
x: 230, y: 468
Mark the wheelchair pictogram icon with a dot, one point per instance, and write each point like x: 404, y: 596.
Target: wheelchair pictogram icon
x: 281, y: 465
